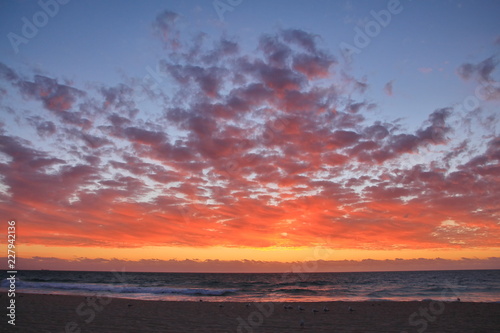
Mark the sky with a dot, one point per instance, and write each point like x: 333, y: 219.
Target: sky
x: 234, y: 135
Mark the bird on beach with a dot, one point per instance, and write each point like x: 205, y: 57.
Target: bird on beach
x: 351, y: 309
x: 221, y: 305
x: 325, y: 309
x: 300, y: 308
x: 248, y: 305
x: 314, y: 311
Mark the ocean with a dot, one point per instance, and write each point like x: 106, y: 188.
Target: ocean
x: 468, y: 285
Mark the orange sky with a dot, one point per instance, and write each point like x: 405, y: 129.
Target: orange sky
x: 260, y: 254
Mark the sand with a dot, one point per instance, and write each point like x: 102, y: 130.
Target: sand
x: 57, y: 314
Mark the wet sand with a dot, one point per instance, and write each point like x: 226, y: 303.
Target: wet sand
x: 57, y: 314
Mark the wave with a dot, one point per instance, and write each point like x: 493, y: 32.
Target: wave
x: 377, y: 293
x: 433, y: 289
x: 272, y: 287
x: 297, y: 291
x: 118, y: 289
x: 304, y: 283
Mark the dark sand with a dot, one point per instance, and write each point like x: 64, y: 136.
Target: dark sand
x: 55, y: 313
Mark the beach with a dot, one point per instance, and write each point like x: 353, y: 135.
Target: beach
x: 62, y: 313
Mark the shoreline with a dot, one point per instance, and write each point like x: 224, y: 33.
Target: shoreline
x: 217, y: 299
x: 63, y: 313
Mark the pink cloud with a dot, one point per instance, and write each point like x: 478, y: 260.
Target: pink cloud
x: 388, y: 88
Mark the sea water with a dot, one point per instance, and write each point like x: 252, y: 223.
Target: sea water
x: 467, y: 285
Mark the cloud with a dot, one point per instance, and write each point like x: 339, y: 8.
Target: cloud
x: 312, y: 66
x: 164, y: 25
x: 301, y: 38
x: 43, y: 128
x: 481, y: 70
x: 489, y: 88
x: 276, y: 51
x: 251, y: 266
x: 388, y: 88
x: 55, y: 97
x: 271, y: 148
x: 8, y: 74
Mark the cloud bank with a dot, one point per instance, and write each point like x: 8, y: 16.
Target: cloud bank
x: 252, y: 266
